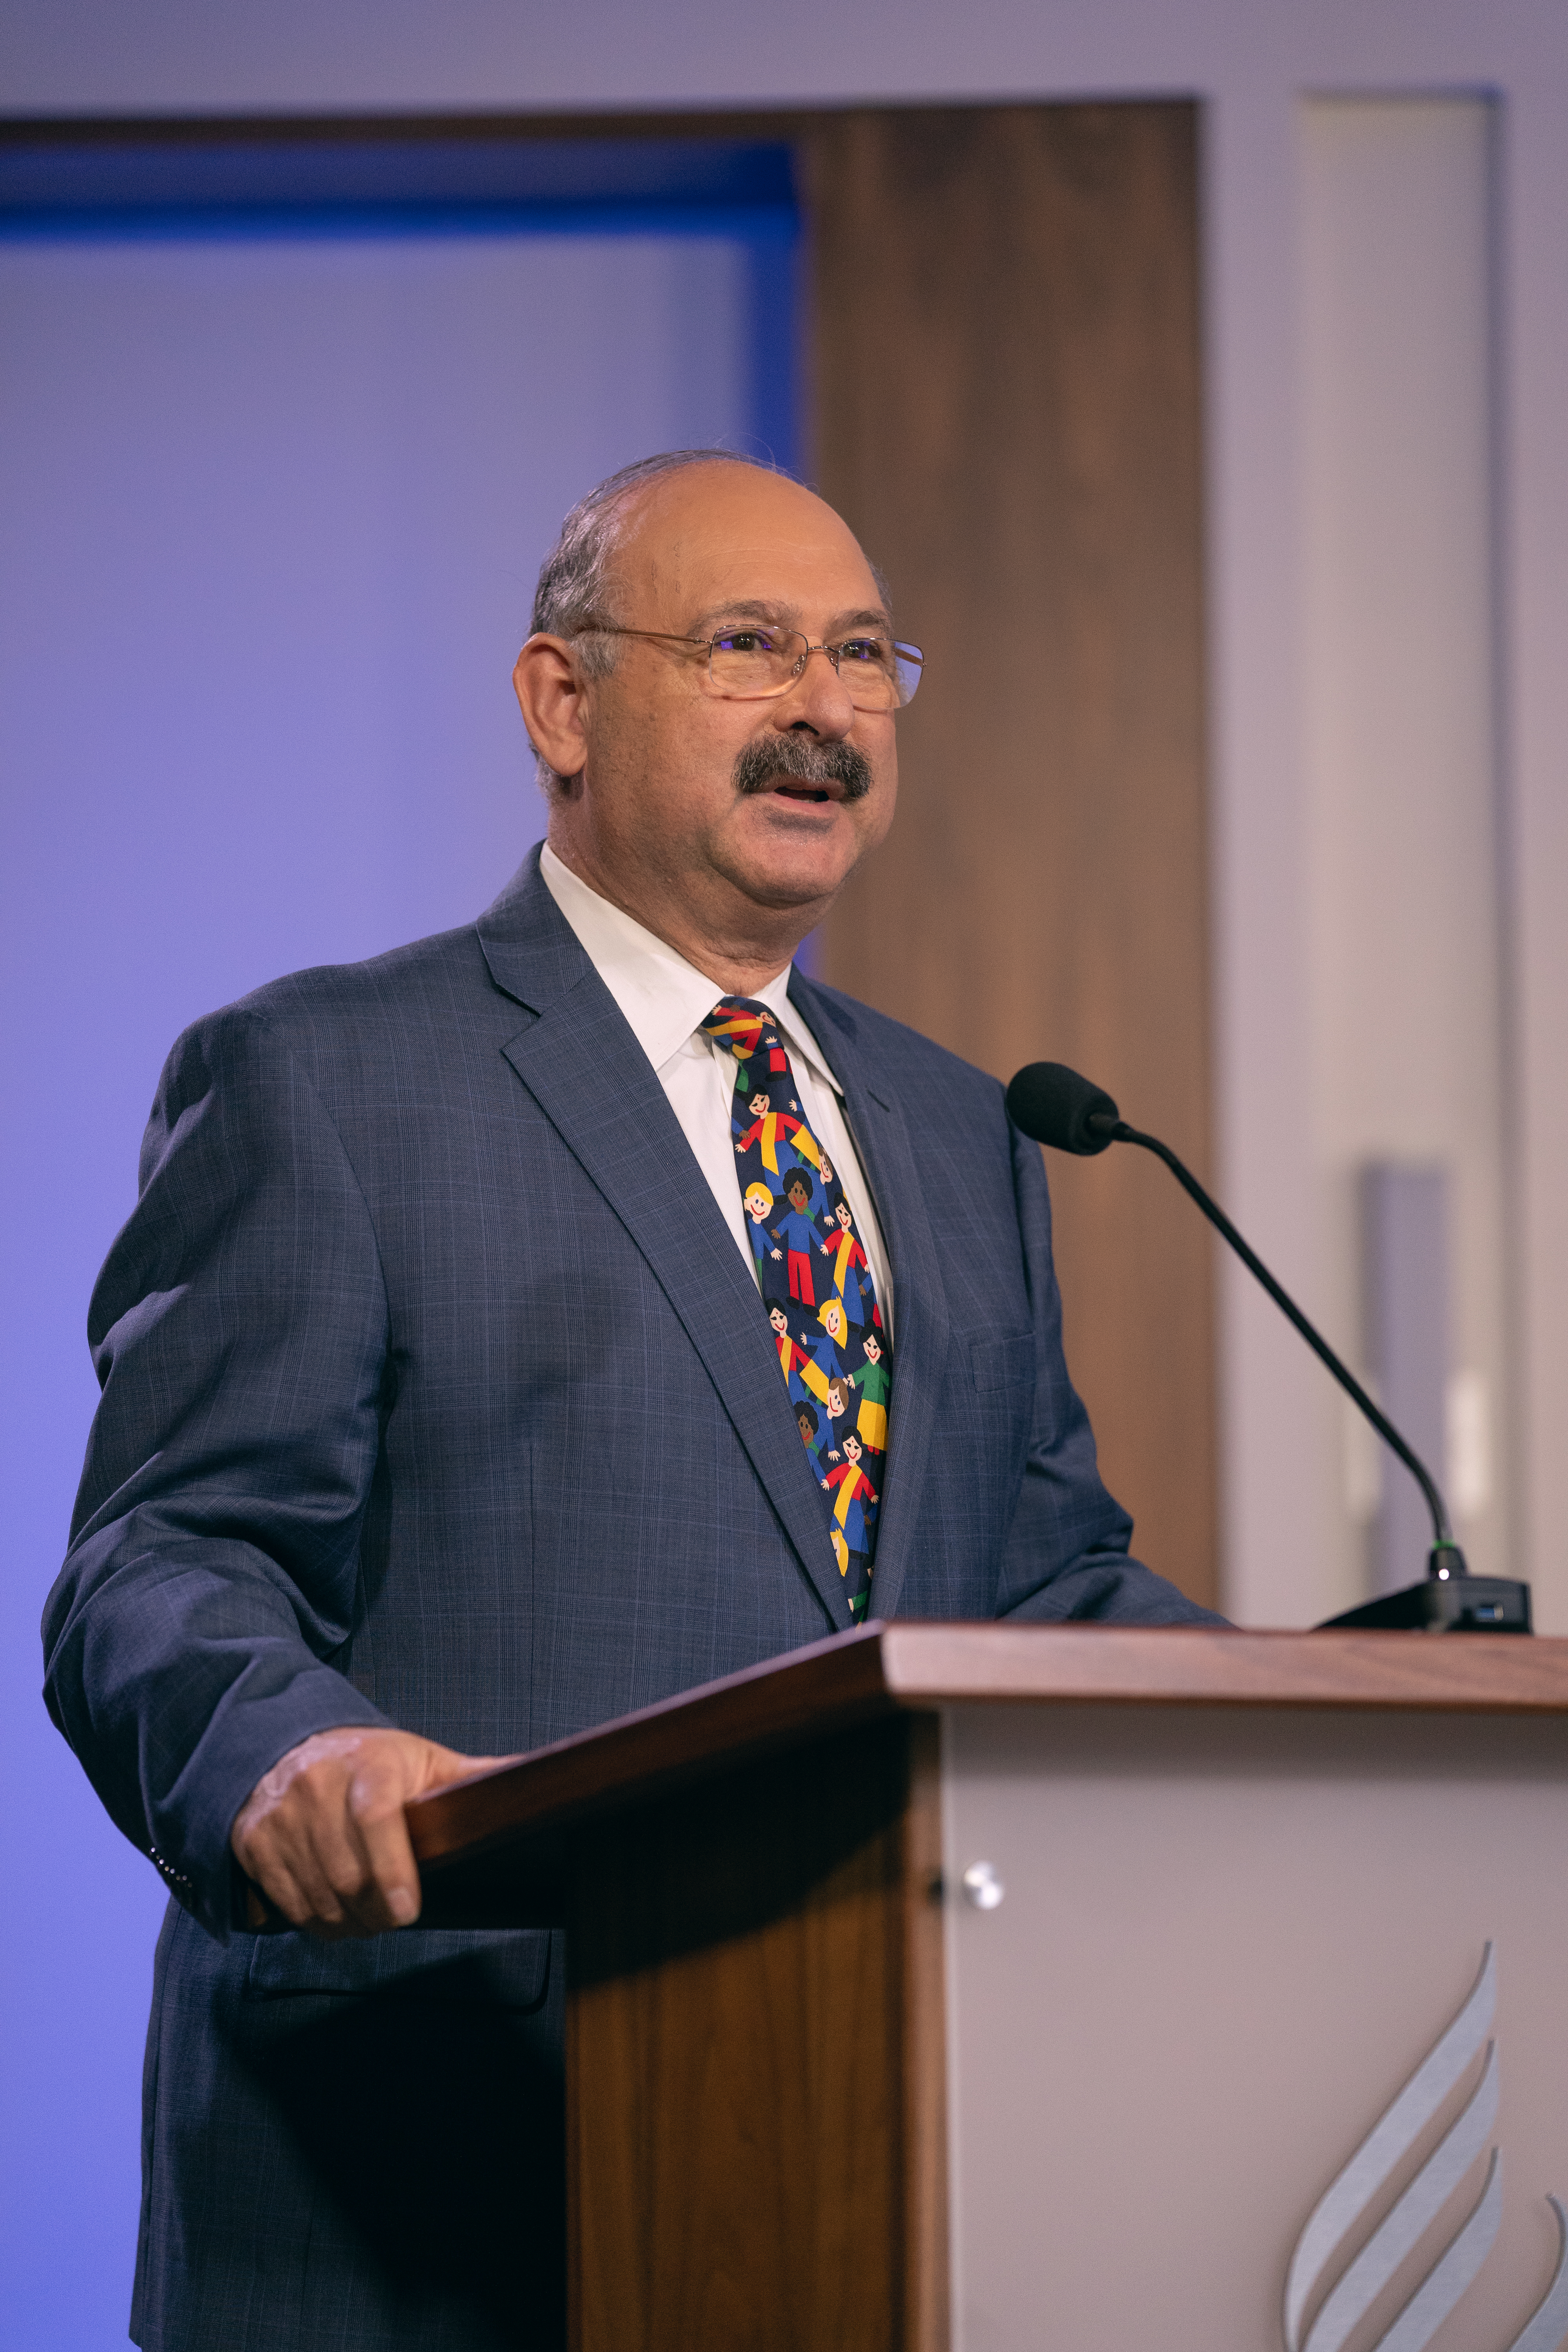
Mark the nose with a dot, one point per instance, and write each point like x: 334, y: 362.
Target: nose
x: 818, y: 699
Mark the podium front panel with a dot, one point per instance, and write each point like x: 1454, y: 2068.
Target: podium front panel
x: 1226, y: 1938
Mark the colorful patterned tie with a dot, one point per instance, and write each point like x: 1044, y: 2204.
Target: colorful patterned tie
x: 816, y: 1285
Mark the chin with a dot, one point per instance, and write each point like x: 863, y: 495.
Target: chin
x: 796, y: 878
x: 780, y: 870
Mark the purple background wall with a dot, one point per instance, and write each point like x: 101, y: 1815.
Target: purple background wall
x: 271, y: 506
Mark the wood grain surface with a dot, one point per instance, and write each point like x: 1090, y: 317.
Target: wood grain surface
x: 1005, y: 369
x: 751, y: 2168
x: 926, y: 2280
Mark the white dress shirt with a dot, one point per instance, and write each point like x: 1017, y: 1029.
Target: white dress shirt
x: 665, y: 999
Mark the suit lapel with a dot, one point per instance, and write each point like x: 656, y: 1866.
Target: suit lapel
x: 919, y: 1306
x: 584, y: 1068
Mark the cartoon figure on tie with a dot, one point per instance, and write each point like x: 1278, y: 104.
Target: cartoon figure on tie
x: 873, y: 1381
x: 796, y: 1229
x: 758, y: 1204
x: 741, y: 1032
x: 854, y: 1509
x: 834, y: 1404
x: 806, y: 1422
x: 764, y: 1047
x: 792, y: 1357
x: 821, y: 1207
x: 850, y: 1263
x: 826, y: 1364
x: 769, y: 1128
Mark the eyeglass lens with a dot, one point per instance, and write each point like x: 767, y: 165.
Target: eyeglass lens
x: 879, y: 673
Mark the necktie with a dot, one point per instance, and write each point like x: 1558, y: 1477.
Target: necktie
x: 817, y: 1291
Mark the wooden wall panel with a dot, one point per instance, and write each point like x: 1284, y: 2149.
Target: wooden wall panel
x: 1006, y: 344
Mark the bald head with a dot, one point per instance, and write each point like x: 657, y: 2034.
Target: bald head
x: 735, y: 523
x: 576, y: 581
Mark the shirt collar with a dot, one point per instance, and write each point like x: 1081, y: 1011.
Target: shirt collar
x: 665, y: 999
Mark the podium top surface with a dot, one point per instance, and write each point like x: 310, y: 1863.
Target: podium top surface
x: 880, y: 1670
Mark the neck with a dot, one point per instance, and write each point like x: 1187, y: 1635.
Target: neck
x: 740, y: 948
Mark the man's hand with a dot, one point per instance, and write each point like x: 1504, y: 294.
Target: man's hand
x: 324, y: 1834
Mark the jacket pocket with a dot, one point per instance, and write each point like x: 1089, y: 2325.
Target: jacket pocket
x: 1004, y: 1360
x: 498, y: 1967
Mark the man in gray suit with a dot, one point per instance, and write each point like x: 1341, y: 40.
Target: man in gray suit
x: 443, y: 1414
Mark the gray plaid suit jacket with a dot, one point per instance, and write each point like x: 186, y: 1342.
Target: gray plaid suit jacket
x: 437, y: 1393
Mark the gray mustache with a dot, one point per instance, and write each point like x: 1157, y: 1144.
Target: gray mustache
x: 762, y: 761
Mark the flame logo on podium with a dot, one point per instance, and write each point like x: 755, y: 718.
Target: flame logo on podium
x: 1351, y: 2195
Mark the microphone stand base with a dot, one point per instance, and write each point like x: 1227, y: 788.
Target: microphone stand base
x: 1445, y: 1604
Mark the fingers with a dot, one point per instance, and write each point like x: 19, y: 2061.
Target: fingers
x: 302, y: 1860
x: 273, y: 1895
x: 388, y: 1895
x: 323, y: 1833
x: 444, y: 1765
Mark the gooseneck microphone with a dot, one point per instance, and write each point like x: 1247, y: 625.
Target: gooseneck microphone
x: 1056, y: 1107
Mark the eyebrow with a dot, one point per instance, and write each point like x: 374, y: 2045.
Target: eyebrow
x: 756, y: 609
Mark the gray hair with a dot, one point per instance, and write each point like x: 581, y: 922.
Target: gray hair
x: 573, y: 589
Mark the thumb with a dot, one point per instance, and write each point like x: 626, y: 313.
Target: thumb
x: 440, y: 1767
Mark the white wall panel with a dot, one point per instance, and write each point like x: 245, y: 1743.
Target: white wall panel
x: 1533, y: 358
x: 1399, y: 714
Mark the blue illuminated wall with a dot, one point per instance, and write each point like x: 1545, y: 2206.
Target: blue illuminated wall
x: 280, y: 450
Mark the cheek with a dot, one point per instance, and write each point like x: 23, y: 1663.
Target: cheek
x: 879, y: 744
x: 669, y: 759
x: 876, y: 811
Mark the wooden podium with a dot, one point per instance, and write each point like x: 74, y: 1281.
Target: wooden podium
x: 996, y: 1988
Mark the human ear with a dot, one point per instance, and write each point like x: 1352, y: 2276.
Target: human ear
x: 549, y: 693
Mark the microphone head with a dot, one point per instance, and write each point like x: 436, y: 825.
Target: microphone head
x: 1055, y: 1106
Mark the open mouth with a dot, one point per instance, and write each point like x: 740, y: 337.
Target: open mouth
x: 789, y: 788
x: 811, y: 775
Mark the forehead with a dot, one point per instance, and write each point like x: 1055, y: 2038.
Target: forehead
x: 717, y: 534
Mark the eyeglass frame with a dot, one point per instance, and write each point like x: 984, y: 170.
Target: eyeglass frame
x: 772, y: 693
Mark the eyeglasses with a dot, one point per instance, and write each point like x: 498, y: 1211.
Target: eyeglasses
x: 750, y: 664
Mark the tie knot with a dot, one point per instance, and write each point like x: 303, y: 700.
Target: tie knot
x: 739, y: 1022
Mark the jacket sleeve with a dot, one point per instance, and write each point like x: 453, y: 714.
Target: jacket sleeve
x: 1067, y: 1554
x: 239, y: 1332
